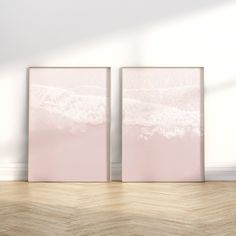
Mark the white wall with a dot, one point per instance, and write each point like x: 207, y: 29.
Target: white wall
x: 119, y: 33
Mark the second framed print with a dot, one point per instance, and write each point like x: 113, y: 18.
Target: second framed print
x: 162, y: 127
x: 69, y: 120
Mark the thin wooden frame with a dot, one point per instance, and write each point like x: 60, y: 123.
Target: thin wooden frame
x: 125, y: 177
x: 105, y: 73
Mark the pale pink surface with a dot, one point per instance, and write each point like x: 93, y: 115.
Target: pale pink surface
x: 162, y: 124
x: 69, y: 124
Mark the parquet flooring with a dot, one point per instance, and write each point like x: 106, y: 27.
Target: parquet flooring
x: 118, y: 209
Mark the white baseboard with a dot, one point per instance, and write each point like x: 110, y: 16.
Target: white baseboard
x: 13, y: 171
x: 116, y: 171
x: 220, y: 171
x: 214, y: 171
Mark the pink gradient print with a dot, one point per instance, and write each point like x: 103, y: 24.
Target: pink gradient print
x: 69, y: 124
x: 162, y: 124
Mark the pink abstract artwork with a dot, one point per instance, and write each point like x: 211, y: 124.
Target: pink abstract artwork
x: 69, y: 124
x: 162, y: 128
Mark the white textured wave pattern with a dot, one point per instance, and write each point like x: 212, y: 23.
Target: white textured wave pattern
x: 69, y: 104
x: 169, y: 113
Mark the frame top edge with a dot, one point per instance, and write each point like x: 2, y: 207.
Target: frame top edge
x: 69, y: 67
x: 162, y: 67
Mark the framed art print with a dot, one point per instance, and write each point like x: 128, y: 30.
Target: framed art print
x: 69, y: 124
x: 162, y: 127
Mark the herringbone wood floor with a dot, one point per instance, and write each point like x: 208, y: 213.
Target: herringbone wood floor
x: 118, y: 209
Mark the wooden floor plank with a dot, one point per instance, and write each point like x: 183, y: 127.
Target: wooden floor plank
x: 118, y: 209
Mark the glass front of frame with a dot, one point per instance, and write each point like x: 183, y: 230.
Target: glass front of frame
x: 162, y: 129
x: 69, y: 124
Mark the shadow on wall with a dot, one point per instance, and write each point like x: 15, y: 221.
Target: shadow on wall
x: 30, y: 29
x: 221, y: 86
x: 35, y: 27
